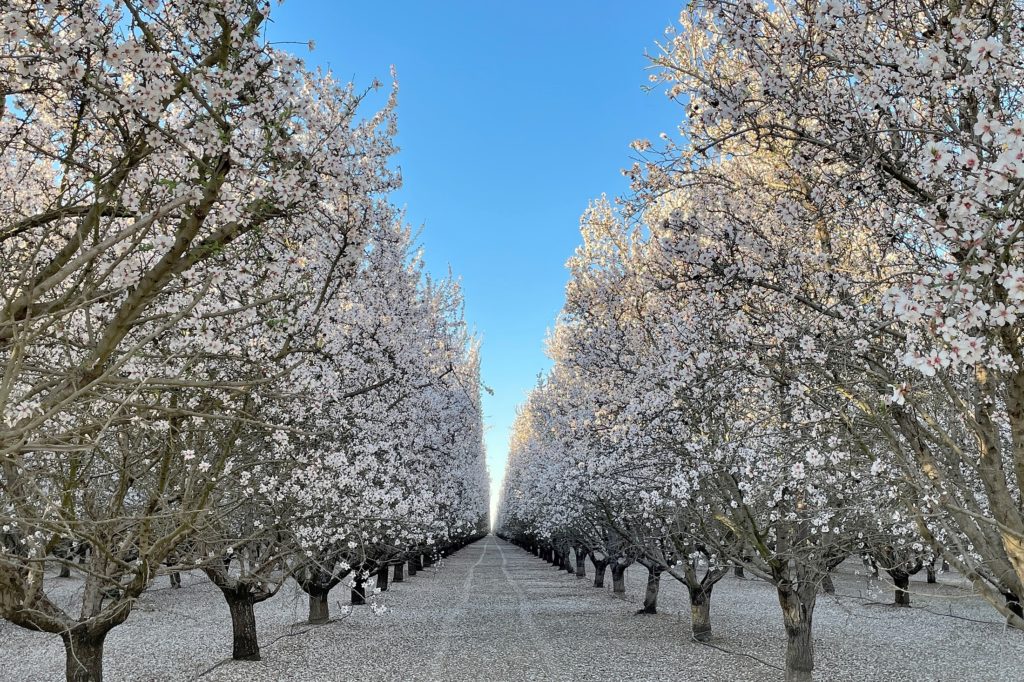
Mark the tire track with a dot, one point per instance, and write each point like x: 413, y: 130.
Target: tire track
x: 530, y: 628
x: 448, y: 633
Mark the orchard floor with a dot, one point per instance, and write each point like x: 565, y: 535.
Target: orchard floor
x: 495, y: 612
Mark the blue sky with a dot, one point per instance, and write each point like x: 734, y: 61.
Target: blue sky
x: 512, y: 116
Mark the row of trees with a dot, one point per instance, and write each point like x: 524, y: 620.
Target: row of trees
x: 221, y: 351
x: 799, y: 339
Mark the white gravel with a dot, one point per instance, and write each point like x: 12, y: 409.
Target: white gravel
x: 494, y: 612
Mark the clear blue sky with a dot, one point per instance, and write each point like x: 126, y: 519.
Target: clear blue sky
x: 512, y: 116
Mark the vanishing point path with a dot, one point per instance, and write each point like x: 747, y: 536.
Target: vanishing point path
x: 496, y: 612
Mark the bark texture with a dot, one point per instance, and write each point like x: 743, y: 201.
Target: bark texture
x: 902, y: 582
x: 319, y: 607
x: 581, y: 562
x: 244, y: 644
x: 600, y: 568
x: 651, y: 593
x: 700, y: 612
x: 618, y: 578
x: 359, y: 591
x: 797, y: 612
x: 84, y: 652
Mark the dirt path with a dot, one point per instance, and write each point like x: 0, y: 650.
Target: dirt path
x: 494, y: 612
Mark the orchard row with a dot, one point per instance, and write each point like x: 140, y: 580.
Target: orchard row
x: 799, y: 339
x: 221, y: 349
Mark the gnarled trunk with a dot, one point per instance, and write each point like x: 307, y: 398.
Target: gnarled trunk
x: 244, y: 646
x: 600, y: 567
x: 700, y: 612
x: 1013, y: 604
x: 901, y: 579
x: 651, y: 594
x: 827, y: 586
x: 318, y: 583
x: 382, y: 578
x: 581, y: 562
x: 358, y: 590
x: 399, y: 572
x: 618, y: 578
x: 319, y: 607
x: 84, y: 653
x: 797, y: 613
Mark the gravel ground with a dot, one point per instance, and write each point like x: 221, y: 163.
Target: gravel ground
x: 494, y: 612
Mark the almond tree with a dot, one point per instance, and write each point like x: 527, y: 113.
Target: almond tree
x: 401, y: 466
x: 905, y: 124
x: 167, y: 178
x: 706, y: 421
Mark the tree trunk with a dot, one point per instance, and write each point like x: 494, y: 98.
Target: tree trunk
x: 1013, y: 603
x: 581, y: 563
x: 245, y: 646
x: 651, y: 594
x: 319, y: 607
x: 737, y: 570
x: 700, y: 612
x: 84, y: 656
x: 359, y: 591
x: 175, y: 579
x: 902, y: 582
x: 65, y: 571
x: 600, y: 566
x: 827, y: 586
x: 382, y: 578
x: 931, y: 577
x: 797, y: 613
x: 399, y: 572
x: 618, y: 578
